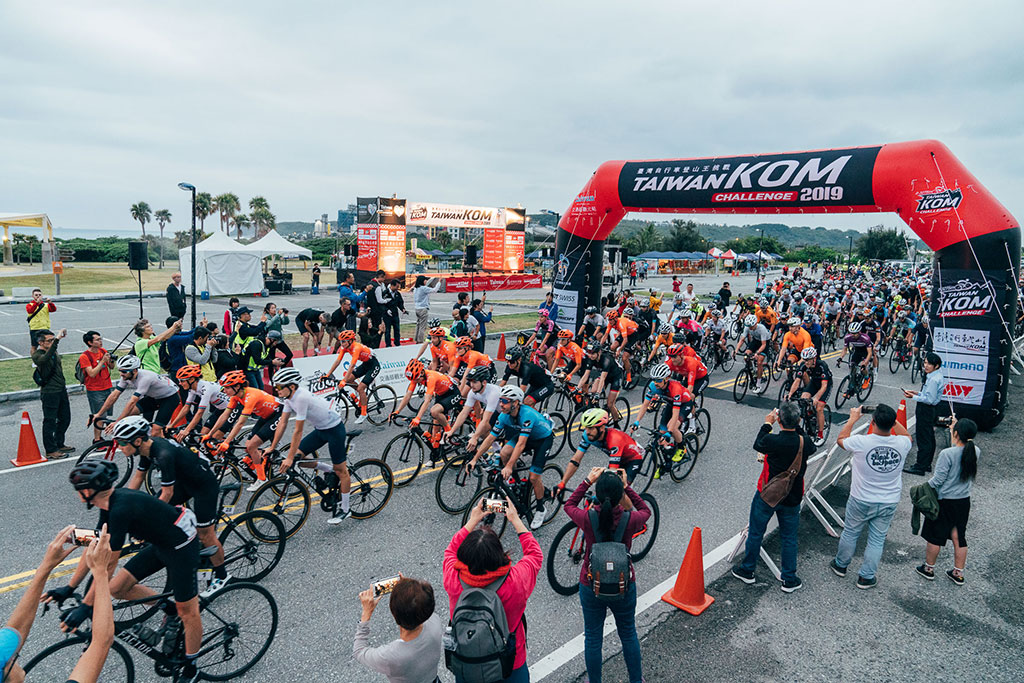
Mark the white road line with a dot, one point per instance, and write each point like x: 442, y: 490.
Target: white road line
x: 70, y: 459
x: 11, y: 351
x: 2, y: 312
x: 565, y: 654
x: 72, y: 308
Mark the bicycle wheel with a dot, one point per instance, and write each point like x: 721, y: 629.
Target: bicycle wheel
x: 864, y: 391
x: 575, y: 433
x: 895, y: 361
x: 841, y: 395
x: 914, y: 369
x: 727, y: 358
x: 766, y: 380
x: 56, y: 662
x: 106, y: 450
x: 416, y: 400
x: 703, y: 418
x: 230, y: 478
x: 622, y: 407
x: 645, y: 475
x: 454, y: 489
x: 253, y: 544
x: 239, y: 624
x: 494, y: 520
x: 126, y: 614
x: 644, y: 541
x: 680, y: 469
x: 290, y: 501
x: 372, y: 486
x: 558, y: 434
x: 404, y: 454
x: 380, y: 403
x: 740, y: 385
x: 550, y: 477
x: 564, y: 559
x: 825, y: 427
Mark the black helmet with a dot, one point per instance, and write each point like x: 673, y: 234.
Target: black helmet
x: 516, y: 353
x: 480, y: 373
x: 590, y: 310
x: 95, y: 474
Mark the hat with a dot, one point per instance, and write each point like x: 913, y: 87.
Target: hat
x: 242, y: 309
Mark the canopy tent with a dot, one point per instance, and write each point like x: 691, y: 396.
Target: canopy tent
x: 715, y: 252
x: 729, y: 254
x: 23, y: 220
x: 223, y: 266
x: 272, y: 244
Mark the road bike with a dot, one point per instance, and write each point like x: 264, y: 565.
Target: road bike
x: 859, y: 382
x: 917, y: 366
x: 747, y: 380
x: 809, y: 420
x: 902, y: 354
x: 517, y: 491
x: 594, y: 400
x: 717, y: 357
x: 567, y: 549
x: 381, y: 400
x: 658, y: 459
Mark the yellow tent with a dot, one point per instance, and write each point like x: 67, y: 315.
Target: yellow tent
x: 24, y: 220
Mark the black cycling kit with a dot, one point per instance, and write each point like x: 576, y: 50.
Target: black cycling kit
x: 533, y: 376
x: 188, y: 473
x: 605, y: 363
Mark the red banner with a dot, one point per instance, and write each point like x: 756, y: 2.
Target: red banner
x: 367, y: 241
x: 494, y: 249
x: 514, y: 245
x: 487, y: 283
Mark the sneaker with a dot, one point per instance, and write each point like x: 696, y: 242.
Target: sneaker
x: 657, y: 473
x: 915, y: 470
x: 539, y: 517
x: 66, y: 449
x: 255, y: 486
x: 792, y: 585
x: 924, y: 571
x: 691, y: 428
x: 836, y: 569
x: 339, y: 517
x: 361, y: 419
x: 821, y: 435
x: 56, y: 455
x: 865, y: 583
x: 743, y: 575
x: 955, y: 578
x: 216, y: 586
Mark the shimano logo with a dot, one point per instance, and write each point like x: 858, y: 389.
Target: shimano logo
x: 958, y: 365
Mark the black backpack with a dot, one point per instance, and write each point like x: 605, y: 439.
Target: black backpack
x: 609, y: 571
x: 164, y: 356
x: 480, y: 647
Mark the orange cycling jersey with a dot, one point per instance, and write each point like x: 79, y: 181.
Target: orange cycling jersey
x: 570, y: 351
x: 694, y: 369
x: 676, y: 365
x: 255, y: 402
x: 437, y: 383
x: 471, y: 359
x: 359, y: 352
x: 799, y: 340
x: 767, y: 316
x: 624, y: 326
x: 663, y: 340
x: 445, y: 349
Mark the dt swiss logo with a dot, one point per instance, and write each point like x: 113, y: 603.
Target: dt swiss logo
x: 940, y: 199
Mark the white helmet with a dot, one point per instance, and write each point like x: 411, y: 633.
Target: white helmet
x: 129, y: 428
x: 128, y: 363
x: 660, y: 372
x: 809, y: 353
x: 287, y: 376
x: 854, y: 327
x: 793, y: 321
x: 685, y: 313
x: 750, y: 320
x: 511, y: 392
x: 665, y: 328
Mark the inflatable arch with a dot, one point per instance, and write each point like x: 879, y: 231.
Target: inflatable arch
x: 975, y: 239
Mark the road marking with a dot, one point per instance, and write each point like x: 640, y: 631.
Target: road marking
x: 567, y: 652
x: 71, y: 308
x: 11, y: 351
x: 8, y: 470
x: 5, y: 313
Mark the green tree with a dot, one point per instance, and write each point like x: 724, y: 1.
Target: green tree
x: 18, y: 239
x: 204, y: 208
x: 263, y: 220
x: 814, y: 252
x: 685, y: 236
x: 882, y: 244
x: 227, y: 205
x: 163, y: 217
x: 241, y: 222
x: 646, y: 239
x: 752, y: 243
x: 444, y: 238
x: 183, y: 238
x: 31, y: 241
x: 143, y: 214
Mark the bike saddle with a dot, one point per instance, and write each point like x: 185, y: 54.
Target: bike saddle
x: 353, y: 433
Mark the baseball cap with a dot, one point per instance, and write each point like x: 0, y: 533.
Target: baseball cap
x: 242, y: 309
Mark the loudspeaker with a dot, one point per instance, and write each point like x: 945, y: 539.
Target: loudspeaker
x: 471, y: 255
x: 352, y: 250
x: 138, y: 255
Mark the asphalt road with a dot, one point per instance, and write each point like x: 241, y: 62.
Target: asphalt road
x: 325, y: 567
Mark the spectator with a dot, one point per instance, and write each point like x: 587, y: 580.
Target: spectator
x: 780, y: 452
x: 460, y: 326
x: 475, y: 557
x: 614, y: 500
x: 676, y: 284
x: 224, y: 359
x: 632, y: 274
x: 176, y: 297
x: 96, y: 364
x: 175, y: 346
x: 550, y: 306
x: 53, y: 393
x: 463, y: 298
x: 371, y: 328
x: 954, y: 473
x: 309, y: 321
x: 229, y: 315
x: 927, y: 408
x: 202, y: 351
x: 38, y: 310
x: 726, y: 294
x: 315, y: 279
x: 393, y: 315
x: 688, y: 295
x: 15, y: 633
x: 274, y: 344
x: 274, y: 319
x: 343, y: 318
x: 421, y: 304
x: 413, y: 658
x: 252, y: 354
x: 875, y: 487
x: 482, y: 318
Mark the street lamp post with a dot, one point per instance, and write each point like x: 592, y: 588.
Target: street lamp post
x: 849, y: 257
x: 558, y: 219
x: 760, y: 248
x: 188, y: 187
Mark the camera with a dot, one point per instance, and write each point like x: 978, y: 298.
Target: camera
x: 867, y: 410
x: 944, y: 421
x: 494, y: 505
x: 385, y: 586
x: 83, y: 537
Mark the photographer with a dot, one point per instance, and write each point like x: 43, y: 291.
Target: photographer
x: 96, y: 363
x: 53, y: 392
x: 38, y: 315
x: 202, y: 351
x: 413, y: 658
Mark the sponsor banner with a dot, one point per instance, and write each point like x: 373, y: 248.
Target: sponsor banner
x: 568, y: 304
x: 488, y: 283
x: 956, y: 366
x: 392, y: 368
x: 838, y: 177
x: 964, y: 297
x: 964, y: 391
x: 515, y: 248
x: 955, y: 340
x: 392, y: 249
x: 494, y: 249
x: 367, y: 242
x: 366, y: 210
x: 390, y: 211
x: 938, y: 200
x: 454, y: 215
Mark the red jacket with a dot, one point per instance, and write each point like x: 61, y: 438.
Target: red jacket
x: 522, y: 577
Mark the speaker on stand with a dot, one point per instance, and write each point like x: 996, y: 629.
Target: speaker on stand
x: 138, y: 260
x: 469, y: 264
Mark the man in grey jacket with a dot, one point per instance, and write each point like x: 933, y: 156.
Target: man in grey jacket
x: 53, y: 392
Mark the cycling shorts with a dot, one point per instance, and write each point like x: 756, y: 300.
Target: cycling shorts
x: 614, y: 382
x: 632, y: 468
x: 204, y: 501
x: 666, y: 413
x: 632, y: 340
x: 814, y: 387
x: 540, y: 449
x: 158, y: 411
x: 447, y: 400
x: 700, y: 384
x: 367, y: 371
x: 266, y: 426
x: 540, y: 393
x: 181, y: 565
x: 334, y: 438
x: 212, y: 415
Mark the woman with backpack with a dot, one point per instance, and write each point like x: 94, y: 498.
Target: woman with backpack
x: 475, y: 568
x: 608, y: 529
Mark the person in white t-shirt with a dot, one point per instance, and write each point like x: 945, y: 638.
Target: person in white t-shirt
x: 688, y: 295
x: 483, y: 399
x: 875, y: 488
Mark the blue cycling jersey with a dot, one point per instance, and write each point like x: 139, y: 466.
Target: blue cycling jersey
x: 529, y: 423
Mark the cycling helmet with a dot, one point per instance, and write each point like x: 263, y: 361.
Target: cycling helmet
x: 685, y: 314
x: 286, y: 376
x: 438, y: 332
x: 129, y: 428
x: 809, y: 353
x: 793, y: 321
x: 511, y: 392
x: 516, y: 353
x: 594, y: 417
x: 612, y: 314
x: 689, y: 352
x: 785, y: 292
x: 855, y: 327
x: 128, y: 363
x: 189, y: 372
x: 628, y: 312
x: 750, y: 320
x: 631, y: 301
x: 645, y: 303
x: 544, y: 313
x: 716, y: 312
x: 590, y: 310
x: 96, y: 474
x: 480, y: 373
x: 346, y: 336
x: 463, y: 343
x: 660, y: 372
x: 594, y: 346
x: 275, y: 335
x: 665, y: 328
x: 414, y: 369
x: 675, y: 350
x: 798, y: 296
x: 233, y: 378
x: 434, y: 322
x: 565, y: 334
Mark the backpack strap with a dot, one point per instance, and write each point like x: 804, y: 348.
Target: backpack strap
x: 594, y: 523
x: 620, y: 530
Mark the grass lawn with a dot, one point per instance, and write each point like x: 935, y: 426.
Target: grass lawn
x: 16, y: 374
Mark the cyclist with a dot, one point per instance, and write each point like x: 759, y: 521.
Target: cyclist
x: 621, y: 336
x: 676, y: 399
x: 521, y: 428
x: 860, y: 346
x: 814, y: 329
x: 442, y: 349
x: 609, y: 374
x: 546, y: 332
x: 328, y: 428
x: 593, y: 323
x: 664, y: 338
x: 688, y: 326
x: 251, y: 401
x: 440, y: 393
x: 648, y: 318
x: 569, y: 352
x: 674, y: 357
x: 482, y: 399
x: 717, y: 329
x: 697, y: 380
x: 201, y: 396
x: 872, y: 327
x: 184, y: 476
x: 153, y: 395
x: 170, y: 534
x: 795, y: 340
x: 767, y: 317
x: 816, y: 378
x: 623, y: 452
x: 922, y: 336
x: 755, y: 340
x: 367, y: 370
x: 530, y: 375
x: 465, y: 360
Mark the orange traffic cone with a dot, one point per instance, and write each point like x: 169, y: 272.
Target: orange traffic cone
x: 901, y: 413
x: 688, y: 593
x: 501, y: 348
x: 28, y: 447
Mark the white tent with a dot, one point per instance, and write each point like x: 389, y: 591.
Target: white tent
x: 223, y: 266
x: 273, y: 244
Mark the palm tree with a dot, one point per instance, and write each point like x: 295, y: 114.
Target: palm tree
x: 163, y: 217
x: 18, y: 239
x: 241, y: 222
x: 31, y: 241
x: 444, y: 239
x: 259, y: 203
x: 204, y: 207
x: 263, y: 220
x: 227, y: 206
x: 142, y: 213
x: 648, y: 238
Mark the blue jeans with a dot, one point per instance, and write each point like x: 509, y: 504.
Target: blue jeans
x: 789, y: 521
x: 520, y: 675
x: 255, y: 378
x: 624, y: 611
x: 877, y: 517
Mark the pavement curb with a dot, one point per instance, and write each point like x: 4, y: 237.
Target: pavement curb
x: 33, y: 394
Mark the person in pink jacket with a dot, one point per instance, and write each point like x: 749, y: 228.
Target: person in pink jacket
x: 475, y: 556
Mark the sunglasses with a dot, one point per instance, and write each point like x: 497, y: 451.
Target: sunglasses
x: 504, y: 400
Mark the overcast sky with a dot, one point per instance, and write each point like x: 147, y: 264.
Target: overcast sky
x: 313, y: 103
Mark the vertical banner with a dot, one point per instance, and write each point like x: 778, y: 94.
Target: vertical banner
x: 515, y: 240
x: 494, y: 249
x: 380, y: 233
x: 578, y: 270
x: 367, y: 233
